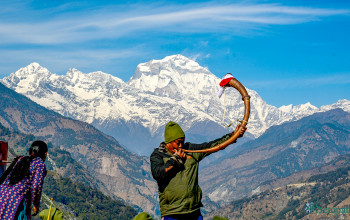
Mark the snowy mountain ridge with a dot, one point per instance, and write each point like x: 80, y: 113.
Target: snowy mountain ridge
x: 174, y: 88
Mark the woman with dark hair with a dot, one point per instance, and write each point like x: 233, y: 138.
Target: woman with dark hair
x: 22, y: 183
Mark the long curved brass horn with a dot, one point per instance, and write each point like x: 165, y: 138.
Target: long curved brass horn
x: 246, y: 98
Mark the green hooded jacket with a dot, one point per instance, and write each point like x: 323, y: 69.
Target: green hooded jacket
x: 179, y: 192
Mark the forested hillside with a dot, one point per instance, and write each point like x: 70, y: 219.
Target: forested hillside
x: 68, y: 183
x: 323, y: 196
x: 84, y: 201
x: 115, y: 171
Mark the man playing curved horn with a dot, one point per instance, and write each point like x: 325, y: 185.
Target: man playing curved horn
x: 176, y: 173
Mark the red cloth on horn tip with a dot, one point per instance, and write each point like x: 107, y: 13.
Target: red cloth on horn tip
x: 226, y: 79
x: 223, y: 83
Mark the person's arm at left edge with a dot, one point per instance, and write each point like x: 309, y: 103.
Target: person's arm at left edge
x: 37, y: 185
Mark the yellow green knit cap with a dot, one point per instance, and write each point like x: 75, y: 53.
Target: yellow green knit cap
x: 172, y: 132
x: 143, y: 216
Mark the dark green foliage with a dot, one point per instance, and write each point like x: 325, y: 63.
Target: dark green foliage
x: 87, y: 202
x: 331, y: 176
x: 330, y: 188
x: 62, y: 158
x: 329, y: 181
x: 291, y: 206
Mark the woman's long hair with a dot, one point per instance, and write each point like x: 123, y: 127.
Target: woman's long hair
x: 20, y: 170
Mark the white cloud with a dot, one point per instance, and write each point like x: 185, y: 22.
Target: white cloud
x: 80, y: 26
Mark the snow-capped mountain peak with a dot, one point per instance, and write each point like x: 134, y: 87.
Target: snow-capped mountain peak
x: 165, y: 66
x: 286, y: 108
x: 33, y: 66
x: 175, y: 88
x: 74, y: 75
x: 343, y: 103
x: 299, y: 111
x: 104, y: 77
x: 28, y: 78
x: 177, y: 72
x: 32, y: 69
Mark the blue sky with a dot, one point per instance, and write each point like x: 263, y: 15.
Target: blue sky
x: 290, y: 52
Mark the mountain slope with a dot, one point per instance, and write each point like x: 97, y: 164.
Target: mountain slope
x: 58, y: 159
x: 322, y: 196
x: 124, y: 174
x: 279, y: 152
x: 68, y: 182
x: 174, y: 88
